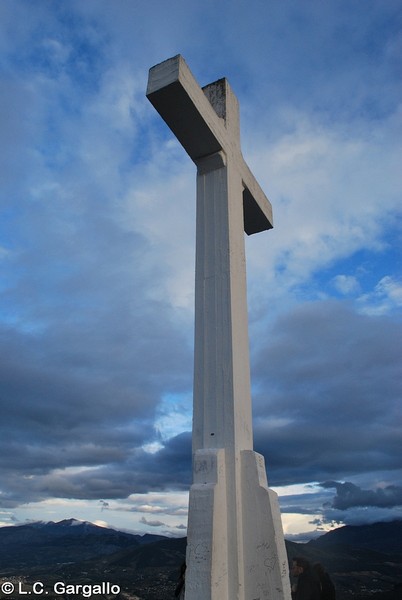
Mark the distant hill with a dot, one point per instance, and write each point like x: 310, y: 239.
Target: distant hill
x: 380, y: 537
x: 36, y: 544
x: 364, y: 561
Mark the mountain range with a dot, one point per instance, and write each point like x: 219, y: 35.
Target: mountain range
x: 41, y: 543
x: 364, y: 561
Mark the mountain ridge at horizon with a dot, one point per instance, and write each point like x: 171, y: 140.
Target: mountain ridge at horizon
x: 75, y: 550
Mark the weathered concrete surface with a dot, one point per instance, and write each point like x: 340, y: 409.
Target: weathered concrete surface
x: 235, y: 540
x: 264, y: 546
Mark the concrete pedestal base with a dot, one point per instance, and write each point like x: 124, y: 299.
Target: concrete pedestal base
x: 214, y: 570
x: 207, y: 535
x: 265, y: 560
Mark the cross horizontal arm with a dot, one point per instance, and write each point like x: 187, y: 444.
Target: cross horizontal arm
x: 185, y: 108
x: 181, y: 103
x: 257, y: 208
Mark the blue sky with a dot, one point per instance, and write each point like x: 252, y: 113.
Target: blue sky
x: 97, y: 242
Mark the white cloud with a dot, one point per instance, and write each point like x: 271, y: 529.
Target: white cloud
x: 385, y: 298
x: 333, y: 192
x: 151, y: 523
x: 391, y: 289
x: 174, y: 415
x: 346, y: 284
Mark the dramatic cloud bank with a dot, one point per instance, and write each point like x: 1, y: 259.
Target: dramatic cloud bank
x: 97, y: 238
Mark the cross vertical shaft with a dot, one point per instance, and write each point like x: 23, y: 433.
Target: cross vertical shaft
x: 235, y: 547
x: 222, y: 402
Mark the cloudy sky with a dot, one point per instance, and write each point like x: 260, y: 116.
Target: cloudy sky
x: 97, y: 243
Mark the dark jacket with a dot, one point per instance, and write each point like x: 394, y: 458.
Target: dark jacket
x: 327, y: 587
x: 308, y: 586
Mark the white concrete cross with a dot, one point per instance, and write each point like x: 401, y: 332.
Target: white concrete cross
x: 235, y: 548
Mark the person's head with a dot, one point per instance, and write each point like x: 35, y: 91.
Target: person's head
x: 299, y: 566
x: 319, y: 569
